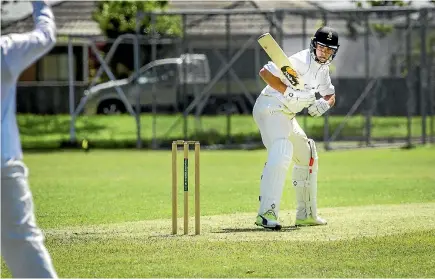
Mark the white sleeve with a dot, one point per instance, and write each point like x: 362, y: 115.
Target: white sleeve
x: 325, y: 86
x: 271, y: 67
x: 21, y: 50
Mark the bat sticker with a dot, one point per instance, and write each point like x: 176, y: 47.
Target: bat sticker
x: 291, y: 75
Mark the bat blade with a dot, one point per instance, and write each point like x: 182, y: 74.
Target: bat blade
x: 278, y: 56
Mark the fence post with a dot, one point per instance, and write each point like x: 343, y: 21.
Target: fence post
x: 71, y: 78
x: 185, y: 95
x: 228, y: 78
x: 367, y: 76
x: 431, y: 93
x: 410, y: 78
x: 423, y: 73
x: 326, y: 115
x: 154, y: 40
x: 136, y: 71
x: 304, y: 46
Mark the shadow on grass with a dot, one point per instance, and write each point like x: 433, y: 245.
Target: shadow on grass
x: 36, y: 125
x: 241, y: 230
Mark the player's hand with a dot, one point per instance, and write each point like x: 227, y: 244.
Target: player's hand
x: 319, y: 107
x: 302, y: 98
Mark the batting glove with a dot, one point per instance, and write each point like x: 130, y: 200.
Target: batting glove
x: 299, y: 97
x: 319, y: 107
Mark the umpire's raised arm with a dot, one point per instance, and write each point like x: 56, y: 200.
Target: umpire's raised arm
x: 21, y: 50
x: 22, y: 241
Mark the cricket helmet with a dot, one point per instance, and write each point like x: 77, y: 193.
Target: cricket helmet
x: 325, y: 36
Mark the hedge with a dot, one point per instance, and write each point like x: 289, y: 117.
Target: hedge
x: 119, y: 131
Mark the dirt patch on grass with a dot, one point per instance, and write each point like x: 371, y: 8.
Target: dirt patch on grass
x: 343, y: 223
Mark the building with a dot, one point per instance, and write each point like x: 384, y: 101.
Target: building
x: 208, y: 34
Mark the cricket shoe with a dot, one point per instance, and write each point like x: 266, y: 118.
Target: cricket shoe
x: 268, y: 220
x: 310, y: 221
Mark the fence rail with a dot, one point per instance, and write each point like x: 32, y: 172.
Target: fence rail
x: 385, y: 66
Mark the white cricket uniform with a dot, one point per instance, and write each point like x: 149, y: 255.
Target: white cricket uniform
x: 284, y: 139
x: 22, y: 241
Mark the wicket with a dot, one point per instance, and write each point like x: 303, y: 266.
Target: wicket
x: 186, y: 145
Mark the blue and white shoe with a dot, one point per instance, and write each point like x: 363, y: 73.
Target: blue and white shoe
x: 268, y: 220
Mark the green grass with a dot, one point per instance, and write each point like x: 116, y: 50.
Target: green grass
x: 38, y: 131
x: 107, y: 214
x: 401, y: 255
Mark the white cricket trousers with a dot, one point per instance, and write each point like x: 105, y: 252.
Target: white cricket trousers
x: 285, y: 141
x: 22, y: 242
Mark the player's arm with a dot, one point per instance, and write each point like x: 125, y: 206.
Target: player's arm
x: 327, y: 91
x: 21, y: 50
x: 271, y: 75
x: 272, y: 80
x: 330, y: 99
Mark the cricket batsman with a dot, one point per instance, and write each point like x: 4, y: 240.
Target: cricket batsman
x: 275, y: 115
x: 22, y: 242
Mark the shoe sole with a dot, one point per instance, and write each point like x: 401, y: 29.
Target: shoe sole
x: 309, y: 225
x: 275, y: 228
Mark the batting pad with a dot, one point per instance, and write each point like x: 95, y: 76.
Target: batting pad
x: 274, y: 175
x: 304, y: 179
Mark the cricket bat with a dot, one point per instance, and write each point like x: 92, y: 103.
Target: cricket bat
x: 278, y: 56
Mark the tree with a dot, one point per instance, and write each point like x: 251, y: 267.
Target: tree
x: 119, y: 17
x: 383, y: 29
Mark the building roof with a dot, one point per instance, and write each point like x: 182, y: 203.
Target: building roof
x: 240, y: 24
x: 75, y: 18
x: 72, y: 18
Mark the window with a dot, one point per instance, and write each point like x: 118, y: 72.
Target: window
x: 54, y: 67
x: 160, y: 73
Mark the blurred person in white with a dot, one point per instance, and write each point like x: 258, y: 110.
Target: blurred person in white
x: 22, y: 241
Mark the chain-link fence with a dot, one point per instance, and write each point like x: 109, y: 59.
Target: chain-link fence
x: 383, y: 74
x: 212, y: 69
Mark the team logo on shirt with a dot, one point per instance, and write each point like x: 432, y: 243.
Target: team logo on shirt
x: 291, y: 75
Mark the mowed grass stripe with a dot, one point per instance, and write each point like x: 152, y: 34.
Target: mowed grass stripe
x: 344, y: 223
x: 395, y: 256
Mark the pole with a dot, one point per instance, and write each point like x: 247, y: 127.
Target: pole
x: 326, y: 115
x: 304, y: 46
x: 367, y: 75
x: 228, y: 79
x: 185, y: 78
x: 410, y: 80
x: 136, y: 71
x: 153, y: 90
x: 71, y: 79
x: 423, y: 73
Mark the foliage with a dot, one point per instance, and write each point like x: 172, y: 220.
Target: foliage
x: 375, y: 3
x: 119, y: 17
x: 119, y: 131
x: 381, y: 29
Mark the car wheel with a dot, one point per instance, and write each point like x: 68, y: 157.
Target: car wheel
x: 111, y: 107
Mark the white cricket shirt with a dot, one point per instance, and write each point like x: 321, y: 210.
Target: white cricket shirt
x: 315, y: 76
x: 19, y: 51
